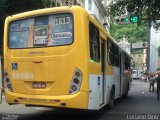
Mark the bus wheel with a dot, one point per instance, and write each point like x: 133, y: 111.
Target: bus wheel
x: 111, y: 101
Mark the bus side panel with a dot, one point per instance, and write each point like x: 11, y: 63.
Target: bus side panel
x: 117, y: 82
x: 109, y: 83
x: 95, y: 95
x: 95, y: 90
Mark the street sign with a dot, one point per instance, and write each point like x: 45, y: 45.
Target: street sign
x: 139, y: 45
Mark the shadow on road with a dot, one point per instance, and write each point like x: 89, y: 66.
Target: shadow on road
x: 69, y: 114
x: 65, y: 115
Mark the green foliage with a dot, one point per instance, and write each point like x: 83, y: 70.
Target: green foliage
x: 158, y: 69
x: 146, y: 9
x: 3, y: 7
x: 17, y: 6
x: 158, y: 51
x: 134, y: 32
x: 131, y: 31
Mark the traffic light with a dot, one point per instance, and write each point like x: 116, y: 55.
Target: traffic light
x: 127, y: 19
x: 122, y: 20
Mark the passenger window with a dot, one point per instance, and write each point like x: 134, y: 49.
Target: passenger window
x: 94, y: 43
x: 113, y: 53
x: 110, y: 53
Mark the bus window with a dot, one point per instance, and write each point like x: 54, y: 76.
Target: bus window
x: 41, y: 31
x: 111, y: 48
x: 94, y: 43
x: 127, y: 63
x: 116, y: 56
x: 113, y: 53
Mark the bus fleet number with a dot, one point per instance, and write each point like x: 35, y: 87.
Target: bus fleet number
x: 62, y: 20
x: 22, y: 76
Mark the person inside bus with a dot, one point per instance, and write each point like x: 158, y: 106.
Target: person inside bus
x: 151, y: 85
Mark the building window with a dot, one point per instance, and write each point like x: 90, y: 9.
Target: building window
x: 94, y: 43
x: 90, y: 5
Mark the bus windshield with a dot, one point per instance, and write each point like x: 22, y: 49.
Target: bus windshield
x: 41, y: 31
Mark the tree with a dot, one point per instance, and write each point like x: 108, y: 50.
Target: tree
x: 3, y: 7
x: 158, y: 51
x: 17, y: 6
x: 132, y: 31
x: 146, y: 9
x: 10, y: 7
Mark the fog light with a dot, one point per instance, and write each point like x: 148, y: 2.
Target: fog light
x: 74, y: 87
x: 77, y: 74
x: 9, y: 86
x: 76, y: 81
x: 7, y: 80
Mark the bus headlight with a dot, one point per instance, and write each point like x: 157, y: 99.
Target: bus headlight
x: 7, y: 82
x: 76, y: 81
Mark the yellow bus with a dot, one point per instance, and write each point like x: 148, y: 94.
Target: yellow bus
x: 62, y: 57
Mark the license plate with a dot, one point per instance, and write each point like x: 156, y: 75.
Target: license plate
x: 38, y: 85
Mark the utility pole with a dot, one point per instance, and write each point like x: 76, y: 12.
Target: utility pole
x: 148, y: 42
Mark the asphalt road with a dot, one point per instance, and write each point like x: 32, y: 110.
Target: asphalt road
x: 140, y: 104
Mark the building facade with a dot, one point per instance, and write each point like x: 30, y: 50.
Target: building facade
x: 125, y: 45
x: 154, y: 60
x: 93, y: 7
x: 140, y: 61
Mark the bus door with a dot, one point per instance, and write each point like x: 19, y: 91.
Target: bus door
x: 121, y: 73
x: 0, y: 82
x: 103, y: 58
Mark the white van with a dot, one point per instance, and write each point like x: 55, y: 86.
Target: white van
x: 134, y: 74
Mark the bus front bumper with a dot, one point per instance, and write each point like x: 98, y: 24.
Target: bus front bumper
x: 75, y: 101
